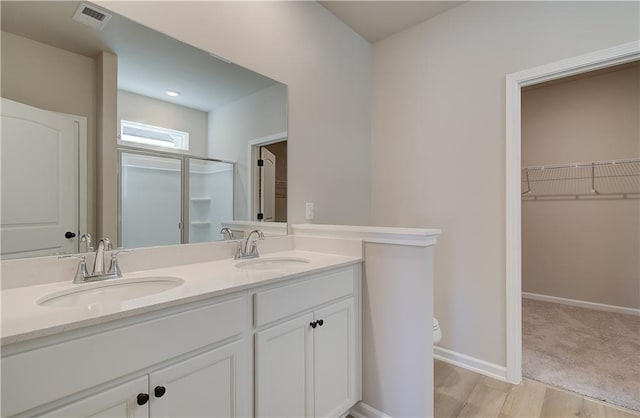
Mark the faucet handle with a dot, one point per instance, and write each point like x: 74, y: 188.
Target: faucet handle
x: 81, y: 272
x: 114, y: 268
x: 239, y: 250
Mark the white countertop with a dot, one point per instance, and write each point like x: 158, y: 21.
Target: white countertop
x: 23, y: 319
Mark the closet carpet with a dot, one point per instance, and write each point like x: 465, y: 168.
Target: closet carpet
x: 590, y: 352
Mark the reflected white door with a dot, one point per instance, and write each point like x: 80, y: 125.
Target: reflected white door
x: 39, y: 158
x: 268, y: 185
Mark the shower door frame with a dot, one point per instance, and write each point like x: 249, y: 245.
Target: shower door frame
x: 184, y: 183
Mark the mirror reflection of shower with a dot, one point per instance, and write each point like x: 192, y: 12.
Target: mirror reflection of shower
x: 171, y: 199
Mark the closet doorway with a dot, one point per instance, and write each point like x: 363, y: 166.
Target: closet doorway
x: 515, y: 82
x: 580, y: 186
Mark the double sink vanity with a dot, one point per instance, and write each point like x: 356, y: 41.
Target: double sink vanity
x: 204, y: 335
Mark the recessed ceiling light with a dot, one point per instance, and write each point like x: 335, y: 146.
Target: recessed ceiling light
x: 173, y: 93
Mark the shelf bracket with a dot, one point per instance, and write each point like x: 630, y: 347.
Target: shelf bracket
x: 593, y: 178
x: 526, y: 173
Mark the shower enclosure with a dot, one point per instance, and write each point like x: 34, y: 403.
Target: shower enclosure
x: 168, y: 199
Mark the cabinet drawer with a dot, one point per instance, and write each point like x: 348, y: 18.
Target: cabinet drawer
x: 283, y: 301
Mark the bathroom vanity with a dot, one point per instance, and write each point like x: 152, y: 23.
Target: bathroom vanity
x: 275, y: 336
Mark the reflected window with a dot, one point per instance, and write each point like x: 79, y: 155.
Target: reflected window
x: 140, y: 133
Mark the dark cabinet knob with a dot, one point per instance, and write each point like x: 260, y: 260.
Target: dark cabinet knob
x: 313, y: 324
x: 320, y: 322
x: 159, y: 391
x: 69, y: 235
x: 142, y: 398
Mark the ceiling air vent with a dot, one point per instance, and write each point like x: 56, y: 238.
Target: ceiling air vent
x: 91, y: 16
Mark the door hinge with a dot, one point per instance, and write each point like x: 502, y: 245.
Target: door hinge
x: 260, y: 163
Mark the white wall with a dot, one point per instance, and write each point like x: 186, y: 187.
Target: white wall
x: 583, y: 249
x: 327, y: 68
x: 397, y: 336
x: 142, y: 109
x: 438, y: 144
x: 232, y: 126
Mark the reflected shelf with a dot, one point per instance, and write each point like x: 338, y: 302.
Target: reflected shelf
x: 200, y: 223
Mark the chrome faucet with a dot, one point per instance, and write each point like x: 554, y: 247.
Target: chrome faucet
x: 249, y: 248
x: 86, y: 238
x: 98, y: 262
x: 227, y: 234
x: 82, y: 274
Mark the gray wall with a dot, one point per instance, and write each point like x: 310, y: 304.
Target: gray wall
x: 53, y: 79
x: 142, y: 109
x: 233, y: 125
x: 438, y: 145
x: 327, y: 68
x: 588, y: 249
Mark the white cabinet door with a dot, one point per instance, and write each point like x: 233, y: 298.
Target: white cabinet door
x: 117, y: 402
x: 212, y: 384
x: 335, y: 359
x: 284, y: 369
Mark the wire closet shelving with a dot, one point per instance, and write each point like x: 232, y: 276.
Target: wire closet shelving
x: 613, y: 179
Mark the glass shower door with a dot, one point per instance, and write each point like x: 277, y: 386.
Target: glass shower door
x: 150, y: 200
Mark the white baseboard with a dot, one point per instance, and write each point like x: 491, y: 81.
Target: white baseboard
x: 470, y: 363
x: 582, y: 304
x: 362, y: 410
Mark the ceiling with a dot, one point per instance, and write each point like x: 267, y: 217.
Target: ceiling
x: 376, y: 20
x: 149, y: 62
x: 154, y: 63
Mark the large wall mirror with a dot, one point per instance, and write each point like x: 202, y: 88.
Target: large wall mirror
x: 195, y: 143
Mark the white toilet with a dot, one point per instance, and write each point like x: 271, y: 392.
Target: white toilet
x: 437, y: 333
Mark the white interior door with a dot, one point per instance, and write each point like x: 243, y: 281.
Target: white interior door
x: 39, y: 158
x: 268, y: 185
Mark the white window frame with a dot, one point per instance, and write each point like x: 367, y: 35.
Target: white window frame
x: 180, y: 139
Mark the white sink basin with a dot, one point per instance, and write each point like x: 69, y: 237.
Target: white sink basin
x: 109, y: 291
x: 272, y: 263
